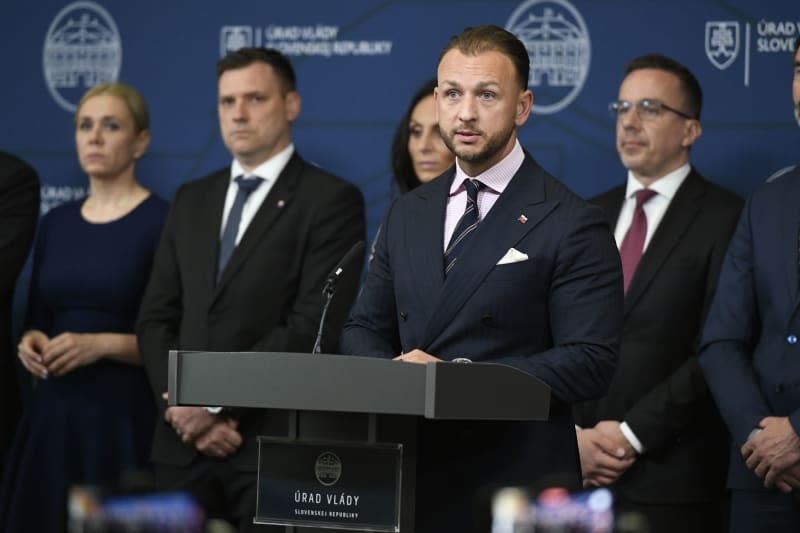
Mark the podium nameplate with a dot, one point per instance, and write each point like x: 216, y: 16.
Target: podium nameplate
x: 329, y: 485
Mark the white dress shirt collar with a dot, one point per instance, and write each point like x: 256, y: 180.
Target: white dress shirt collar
x: 269, y: 169
x: 666, y: 186
x: 655, y: 208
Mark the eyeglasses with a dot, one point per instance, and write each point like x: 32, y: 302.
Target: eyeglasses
x: 646, y: 109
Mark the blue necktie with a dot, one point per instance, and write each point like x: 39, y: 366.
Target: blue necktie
x: 466, y: 225
x: 228, y: 243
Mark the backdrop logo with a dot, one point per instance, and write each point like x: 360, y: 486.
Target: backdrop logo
x: 328, y: 468
x: 82, y: 48
x: 722, y: 43
x: 557, y: 40
x: 320, y: 40
x: 234, y: 37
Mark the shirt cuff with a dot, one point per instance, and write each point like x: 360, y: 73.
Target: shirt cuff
x: 631, y: 437
x: 214, y: 410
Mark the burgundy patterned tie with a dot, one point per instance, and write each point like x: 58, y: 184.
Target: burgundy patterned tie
x: 631, y: 249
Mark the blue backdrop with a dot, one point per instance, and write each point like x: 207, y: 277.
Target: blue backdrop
x: 359, y: 61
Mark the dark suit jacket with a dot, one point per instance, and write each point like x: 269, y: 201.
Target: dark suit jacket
x: 556, y: 316
x: 269, y: 297
x: 19, y: 210
x: 750, y: 350
x: 658, y: 387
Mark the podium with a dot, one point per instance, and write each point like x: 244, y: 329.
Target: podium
x: 361, y: 405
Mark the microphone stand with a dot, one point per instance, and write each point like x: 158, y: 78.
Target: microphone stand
x: 328, y: 291
x: 330, y: 287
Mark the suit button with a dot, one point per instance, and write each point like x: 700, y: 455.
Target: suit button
x: 791, y: 339
x: 487, y: 320
x: 403, y: 316
x: 779, y: 388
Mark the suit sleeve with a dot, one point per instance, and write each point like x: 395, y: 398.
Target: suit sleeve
x: 585, y: 309
x: 730, y: 335
x: 19, y: 208
x: 372, y: 328
x: 338, y: 224
x: 161, y: 308
x: 674, y: 405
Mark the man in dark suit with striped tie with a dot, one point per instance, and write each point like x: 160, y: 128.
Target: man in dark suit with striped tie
x: 494, y: 261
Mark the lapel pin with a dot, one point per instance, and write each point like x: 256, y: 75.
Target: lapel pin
x: 281, y: 203
x: 522, y: 219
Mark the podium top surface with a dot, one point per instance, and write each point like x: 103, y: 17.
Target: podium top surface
x: 276, y: 380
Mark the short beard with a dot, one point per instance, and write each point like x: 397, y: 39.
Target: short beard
x: 493, y: 145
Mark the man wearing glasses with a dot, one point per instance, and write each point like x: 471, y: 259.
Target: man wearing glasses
x: 656, y: 438
x: 749, y: 353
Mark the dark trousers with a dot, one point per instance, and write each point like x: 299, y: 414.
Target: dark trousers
x: 764, y: 511
x: 705, y: 517
x: 223, y: 491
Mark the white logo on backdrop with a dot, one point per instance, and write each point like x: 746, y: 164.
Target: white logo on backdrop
x: 82, y: 48
x: 776, y: 36
x: 235, y: 37
x: 722, y: 42
x: 319, y: 40
x: 55, y: 195
x: 559, y: 48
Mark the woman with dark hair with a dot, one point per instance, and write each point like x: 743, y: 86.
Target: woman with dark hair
x: 90, y: 417
x: 418, y: 150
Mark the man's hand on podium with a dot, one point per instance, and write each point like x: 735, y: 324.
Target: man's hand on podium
x: 417, y: 356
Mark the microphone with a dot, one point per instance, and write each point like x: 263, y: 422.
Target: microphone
x: 329, y: 289
x: 330, y: 282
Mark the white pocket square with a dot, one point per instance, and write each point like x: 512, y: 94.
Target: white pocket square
x: 512, y: 256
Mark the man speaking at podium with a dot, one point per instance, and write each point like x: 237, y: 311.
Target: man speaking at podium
x: 494, y: 261
x: 240, y: 267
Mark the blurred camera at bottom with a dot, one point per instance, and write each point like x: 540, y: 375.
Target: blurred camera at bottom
x: 98, y: 510
x: 555, y: 510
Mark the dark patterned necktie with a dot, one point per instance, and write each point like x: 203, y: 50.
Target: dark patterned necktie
x: 632, y: 245
x: 466, y: 225
x: 228, y: 242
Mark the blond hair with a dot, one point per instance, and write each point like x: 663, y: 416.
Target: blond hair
x: 132, y: 99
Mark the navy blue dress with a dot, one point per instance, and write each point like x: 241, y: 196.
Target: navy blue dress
x: 96, y: 422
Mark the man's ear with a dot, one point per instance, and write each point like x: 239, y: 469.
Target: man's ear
x: 691, y: 132
x: 524, y: 106
x: 293, y: 105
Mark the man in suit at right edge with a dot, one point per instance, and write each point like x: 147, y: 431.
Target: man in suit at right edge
x: 749, y: 353
x: 655, y: 438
